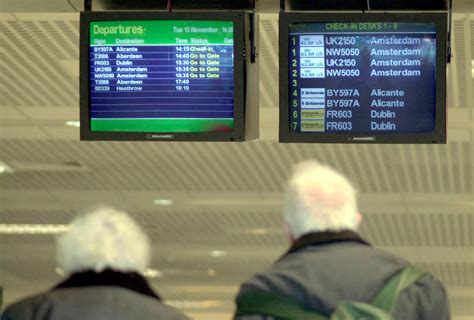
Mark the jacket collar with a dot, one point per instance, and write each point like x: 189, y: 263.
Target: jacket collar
x: 325, y: 238
x: 109, y: 278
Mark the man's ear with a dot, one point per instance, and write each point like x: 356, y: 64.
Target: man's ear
x: 289, y: 234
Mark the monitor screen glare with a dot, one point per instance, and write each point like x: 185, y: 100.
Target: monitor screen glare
x: 161, y: 76
x: 362, y: 78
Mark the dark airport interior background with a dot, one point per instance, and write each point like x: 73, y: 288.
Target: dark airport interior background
x: 212, y: 210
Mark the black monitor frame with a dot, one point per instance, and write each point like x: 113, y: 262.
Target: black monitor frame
x: 437, y: 136
x: 238, y: 133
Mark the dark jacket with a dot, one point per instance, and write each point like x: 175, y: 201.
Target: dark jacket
x: 108, y: 295
x: 322, y: 269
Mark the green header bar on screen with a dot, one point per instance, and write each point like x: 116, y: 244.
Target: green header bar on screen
x: 161, y: 32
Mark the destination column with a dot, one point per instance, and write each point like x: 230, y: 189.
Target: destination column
x: 402, y: 67
x: 131, y: 70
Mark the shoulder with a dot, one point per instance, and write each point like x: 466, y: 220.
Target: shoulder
x: 428, y: 286
x: 169, y: 312
x: 126, y: 303
x: 25, y: 308
x: 265, y: 280
x: 426, y: 298
x: 104, y: 300
x: 283, y: 277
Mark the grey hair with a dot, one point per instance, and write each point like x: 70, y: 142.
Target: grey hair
x: 319, y: 199
x: 105, y: 238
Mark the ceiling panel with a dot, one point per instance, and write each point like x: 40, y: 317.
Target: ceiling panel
x: 32, y: 71
x: 231, y: 227
x: 256, y: 166
x: 36, y: 6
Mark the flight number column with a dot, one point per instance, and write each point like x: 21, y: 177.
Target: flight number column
x: 101, y: 69
x: 342, y: 61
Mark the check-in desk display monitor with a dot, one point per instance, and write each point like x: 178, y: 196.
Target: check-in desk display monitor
x: 363, y: 80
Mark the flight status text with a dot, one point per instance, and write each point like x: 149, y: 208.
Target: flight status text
x: 362, y: 78
x: 161, y: 76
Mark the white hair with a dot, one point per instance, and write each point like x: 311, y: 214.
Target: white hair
x: 319, y: 199
x: 103, y: 239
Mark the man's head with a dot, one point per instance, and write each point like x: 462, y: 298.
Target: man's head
x: 319, y: 199
x: 103, y: 239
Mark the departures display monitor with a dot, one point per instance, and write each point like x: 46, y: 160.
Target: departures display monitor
x: 363, y: 78
x: 149, y: 77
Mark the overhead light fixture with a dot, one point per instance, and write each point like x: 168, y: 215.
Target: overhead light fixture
x: 73, y: 123
x: 211, y: 273
x: 258, y: 232
x: 4, y: 168
x: 218, y: 253
x: 152, y: 273
x: 189, y: 304
x: 163, y: 202
x: 44, y: 229
x: 59, y: 271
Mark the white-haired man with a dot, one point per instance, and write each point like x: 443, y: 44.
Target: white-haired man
x: 104, y: 255
x: 329, y: 266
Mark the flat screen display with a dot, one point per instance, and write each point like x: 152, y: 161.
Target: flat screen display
x: 366, y: 78
x: 161, y: 76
